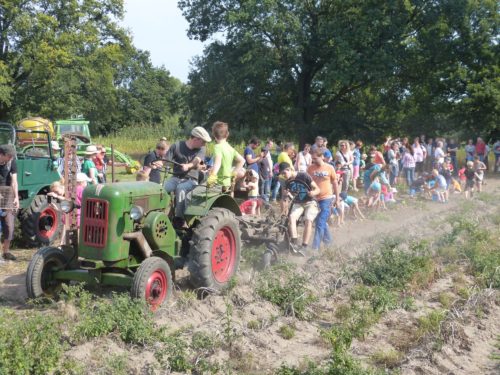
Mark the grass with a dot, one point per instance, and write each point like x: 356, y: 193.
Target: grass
x: 286, y: 288
x: 287, y: 331
x: 387, y: 358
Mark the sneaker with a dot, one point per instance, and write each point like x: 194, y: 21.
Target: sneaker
x: 9, y: 256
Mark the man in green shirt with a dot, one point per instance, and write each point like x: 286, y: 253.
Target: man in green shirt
x: 225, y: 157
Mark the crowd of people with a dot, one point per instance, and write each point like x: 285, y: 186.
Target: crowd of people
x: 318, y: 183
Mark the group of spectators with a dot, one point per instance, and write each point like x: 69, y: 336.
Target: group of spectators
x: 319, y: 181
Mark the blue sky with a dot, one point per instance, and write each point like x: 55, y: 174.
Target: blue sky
x: 157, y: 26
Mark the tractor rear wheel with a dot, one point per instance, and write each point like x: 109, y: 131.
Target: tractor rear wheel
x: 41, y: 222
x: 39, y: 277
x: 214, y: 254
x: 152, y: 282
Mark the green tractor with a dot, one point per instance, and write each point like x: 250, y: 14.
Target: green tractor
x: 79, y: 125
x: 126, y: 239
x: 36, y: 169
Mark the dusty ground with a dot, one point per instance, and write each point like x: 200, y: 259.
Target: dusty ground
x: 469, y: 349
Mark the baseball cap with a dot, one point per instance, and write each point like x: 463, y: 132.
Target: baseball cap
x: 54, y: 145
x: 343, y: 195
x: 284, y: 165
x: 201, y: 133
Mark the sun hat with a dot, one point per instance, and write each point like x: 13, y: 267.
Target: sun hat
x: 54, y: 145
x: 91, y: 150
x: 80, y: 177
x: 201, y: 133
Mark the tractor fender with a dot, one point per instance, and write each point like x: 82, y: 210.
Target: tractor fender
x: 199, y: 205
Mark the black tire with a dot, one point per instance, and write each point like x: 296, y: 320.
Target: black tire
x: 39, y: 281
x: 153, y: 282
x: 219, y: 232
x: 41, y: 223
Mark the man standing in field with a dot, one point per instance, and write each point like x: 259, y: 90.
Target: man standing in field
x: 249, y: 154
x: 188, y: 157
x: 323, y: 174
x: 152, y: 161
x: 224, y: 158
x: 8, y: 177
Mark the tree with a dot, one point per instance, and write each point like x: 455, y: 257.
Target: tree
x: 327, y: 66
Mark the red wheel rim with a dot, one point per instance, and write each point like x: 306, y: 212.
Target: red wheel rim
x: 156, y: 289
x: 47, y: 222
x: 223, y: 255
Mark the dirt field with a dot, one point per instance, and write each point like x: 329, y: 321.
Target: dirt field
x: 449, y: 325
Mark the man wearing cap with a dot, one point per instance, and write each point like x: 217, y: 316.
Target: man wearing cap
x: 304, y: 190
x: 8, y: 177
x: 188, y: 157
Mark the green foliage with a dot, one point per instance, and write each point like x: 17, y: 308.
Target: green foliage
x: 130, y: 319
x: 389, y: 359
x: 286, y: 288
x: 174, y: 354
x: 344, y: 68
x: 287, y: 331
x: 392, y: 268
x: 29, y: 344
x: 431, y: 323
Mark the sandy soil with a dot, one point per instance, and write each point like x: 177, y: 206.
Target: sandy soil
x: 260, y: 350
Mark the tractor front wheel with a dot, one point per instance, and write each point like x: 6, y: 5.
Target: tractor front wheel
x: 41, y: 222
x: 39, y: 277
x: 214, y: 254
x: 152, y: 282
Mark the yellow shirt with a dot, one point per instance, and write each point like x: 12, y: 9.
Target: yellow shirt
x: 284, y: 158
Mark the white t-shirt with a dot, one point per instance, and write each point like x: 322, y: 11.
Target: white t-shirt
x: 439, y: 155
x: 303, y: 161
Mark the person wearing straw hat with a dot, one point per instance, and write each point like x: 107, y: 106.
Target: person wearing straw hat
x: 88, y: 166
x: 188, y: 157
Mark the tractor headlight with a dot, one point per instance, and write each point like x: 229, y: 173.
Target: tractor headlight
x: 136, y: 213
x: 67, y: 206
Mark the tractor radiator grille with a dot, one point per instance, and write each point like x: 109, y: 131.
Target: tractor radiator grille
x: 95, y: 223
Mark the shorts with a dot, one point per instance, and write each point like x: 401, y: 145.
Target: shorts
x: 469, y: 184
x: 419, y: 166
x: 442, y: 189
x: 7, y: 223
x: 309, y: 209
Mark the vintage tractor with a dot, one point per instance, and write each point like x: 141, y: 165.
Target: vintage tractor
x: 79, y: 125
x: 40, y: 221
x: 126, y: 238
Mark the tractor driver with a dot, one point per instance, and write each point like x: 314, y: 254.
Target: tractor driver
x: 188, y: 157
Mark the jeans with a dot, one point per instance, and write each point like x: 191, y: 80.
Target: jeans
x: 276, y: 189
x: 322, y: 232
x: 345, y: 180
x: 455, y: 164
x: 265, y: 188
x: 394, y: 173
x: 410, y: 175
x: 181, y: 186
